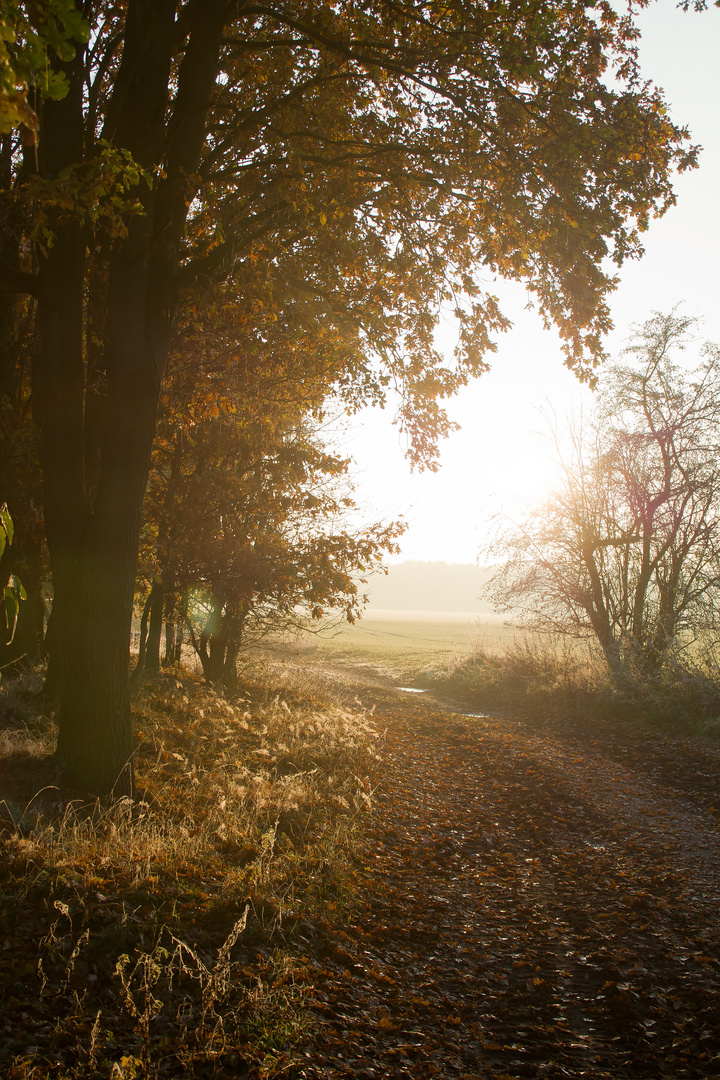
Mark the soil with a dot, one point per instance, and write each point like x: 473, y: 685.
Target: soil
x: 536, y: 899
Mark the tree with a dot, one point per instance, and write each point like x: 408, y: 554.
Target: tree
x: 14, y: 591
x: 249, y: 514
x: 251, y: 433
x: 628, y: 545
x: 367, y: 162
x: 31, y: 38
x: 269, y: 546
x: 20, y: 480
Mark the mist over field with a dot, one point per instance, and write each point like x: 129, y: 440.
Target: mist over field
x: 430, y: 587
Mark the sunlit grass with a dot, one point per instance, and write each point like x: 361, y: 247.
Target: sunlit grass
x: 161, y: 934
x: 488, y: 664
x: 544, y: 675
x: 407, y: 647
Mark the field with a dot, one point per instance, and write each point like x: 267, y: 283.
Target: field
x: 485, y: 662
x: 409, y: 644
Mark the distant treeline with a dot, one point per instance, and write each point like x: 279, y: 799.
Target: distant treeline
x: 431, y: 586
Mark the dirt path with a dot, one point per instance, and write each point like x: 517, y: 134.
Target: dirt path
x: 537, y: 901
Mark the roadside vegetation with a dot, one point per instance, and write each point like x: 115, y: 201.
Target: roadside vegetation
x: 171, y: 936
x: 550, y: 676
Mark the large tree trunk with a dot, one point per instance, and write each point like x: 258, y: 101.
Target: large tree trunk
x: 58, y: 405
x: 93, y: 547
x: 93, y: 538
x: 94, y: 554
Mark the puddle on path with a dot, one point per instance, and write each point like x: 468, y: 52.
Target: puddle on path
x: 471, y: 715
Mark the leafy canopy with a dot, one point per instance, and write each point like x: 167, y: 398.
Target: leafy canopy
x: 370, y: 168
x: 377, y: 162
x: 33, y: 37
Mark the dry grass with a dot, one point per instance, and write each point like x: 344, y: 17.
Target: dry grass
x: 531, y: 672
x: 166, y: 937
x: 545, y: 675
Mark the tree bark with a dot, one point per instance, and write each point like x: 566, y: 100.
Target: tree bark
x: 93, y: 547
x: 93, y: 538
x: 219, y: 644
x: 170, y: 636
x: 152, y: 656
x: 142, y: 642
x: 176, y: 613
x: 10, y: 260
x: 232, y: 651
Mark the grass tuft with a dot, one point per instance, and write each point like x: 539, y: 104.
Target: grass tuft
x: 541, y: 675
x: 166, y: 936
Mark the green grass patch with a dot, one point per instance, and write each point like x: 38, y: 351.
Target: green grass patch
x: 410, y: 647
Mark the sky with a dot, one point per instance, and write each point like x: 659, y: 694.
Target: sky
x: 501, y: 460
